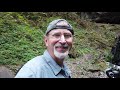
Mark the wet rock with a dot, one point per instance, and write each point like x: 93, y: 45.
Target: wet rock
x: 6, y: 73
x: 101, y: 17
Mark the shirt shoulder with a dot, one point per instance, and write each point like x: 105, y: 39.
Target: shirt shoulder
x: 37, y: 62
x: 32, y: 68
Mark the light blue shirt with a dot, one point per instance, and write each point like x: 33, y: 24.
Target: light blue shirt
x: 42, y: 67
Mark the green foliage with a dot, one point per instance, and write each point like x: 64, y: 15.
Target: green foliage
x: 19, y: 43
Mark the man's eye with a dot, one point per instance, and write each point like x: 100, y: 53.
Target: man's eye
x: 56, y: 35
x: 67, y: 36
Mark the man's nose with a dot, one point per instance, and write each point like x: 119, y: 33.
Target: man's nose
x: 62, y: 39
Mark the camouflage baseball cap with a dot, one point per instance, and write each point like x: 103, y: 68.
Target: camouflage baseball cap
x: 53, y: 25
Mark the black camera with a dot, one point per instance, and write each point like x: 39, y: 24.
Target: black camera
x: 114, y: 70
x: 113, y: 73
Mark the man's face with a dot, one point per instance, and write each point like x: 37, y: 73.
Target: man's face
x: 59, y: 42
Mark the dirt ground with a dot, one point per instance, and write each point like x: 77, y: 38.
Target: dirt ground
x: 79, y: 69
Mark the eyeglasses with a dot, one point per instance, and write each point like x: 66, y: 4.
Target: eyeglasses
x: 58, y: 36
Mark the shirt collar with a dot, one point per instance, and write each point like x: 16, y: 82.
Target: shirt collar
x: 54, y: 66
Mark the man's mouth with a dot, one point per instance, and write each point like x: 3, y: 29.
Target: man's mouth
x: 61, y: 49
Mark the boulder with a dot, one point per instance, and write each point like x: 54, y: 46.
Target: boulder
x: 101, y: 17
x: 6, y: 73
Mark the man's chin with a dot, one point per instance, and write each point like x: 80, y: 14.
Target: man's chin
x: 60, y: 55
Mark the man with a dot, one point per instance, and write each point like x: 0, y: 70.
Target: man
x: 58, y: 40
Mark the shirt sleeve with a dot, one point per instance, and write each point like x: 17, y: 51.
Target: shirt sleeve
x: 25, y: 72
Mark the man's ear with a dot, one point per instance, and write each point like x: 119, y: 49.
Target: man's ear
x: 46, y: 40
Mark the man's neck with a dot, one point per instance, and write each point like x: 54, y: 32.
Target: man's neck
x: 59, y: 61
